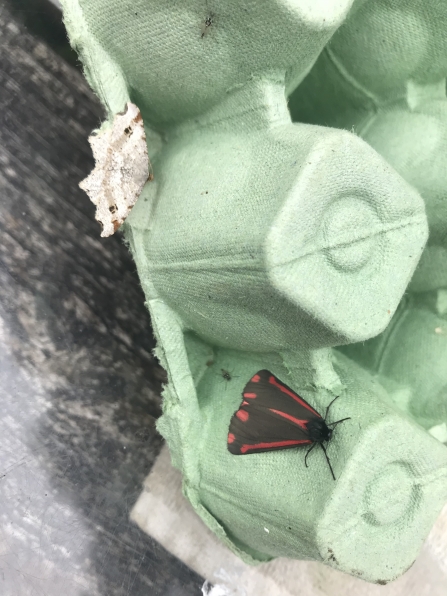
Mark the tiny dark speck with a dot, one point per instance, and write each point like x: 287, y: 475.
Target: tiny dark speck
x: 207, y: 24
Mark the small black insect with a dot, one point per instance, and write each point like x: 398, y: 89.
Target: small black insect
x: 225, y: 374
x: 207, y: 23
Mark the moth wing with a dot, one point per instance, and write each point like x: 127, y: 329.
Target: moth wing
x: 271, y: 392
x: 272, y: 416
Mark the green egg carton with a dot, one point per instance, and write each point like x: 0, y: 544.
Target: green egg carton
x: 298, y: 150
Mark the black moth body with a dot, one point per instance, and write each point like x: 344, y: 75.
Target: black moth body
x: 272, y: 417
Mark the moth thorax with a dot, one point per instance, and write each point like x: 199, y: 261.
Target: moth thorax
x: 319, y: 431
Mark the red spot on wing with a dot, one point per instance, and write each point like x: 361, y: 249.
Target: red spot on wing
x: 275, y: 445
x: 242, y: 415
x: 301, y: 423
x: 249, y: 395
x: 293, y: 395
x: 245, y: 403
x: 231, y: 438
x: 255, y: 379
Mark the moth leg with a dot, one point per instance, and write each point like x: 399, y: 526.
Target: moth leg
x: 327, y: 459
x: 307, y: 453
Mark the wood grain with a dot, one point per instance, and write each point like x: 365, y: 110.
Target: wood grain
x: 78, y: 383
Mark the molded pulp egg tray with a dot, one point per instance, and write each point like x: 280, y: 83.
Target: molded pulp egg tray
x: 296, y: 222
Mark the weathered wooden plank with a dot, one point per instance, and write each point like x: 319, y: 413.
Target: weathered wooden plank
x: 79, y: 386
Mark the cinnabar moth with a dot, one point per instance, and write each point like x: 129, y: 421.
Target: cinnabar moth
x: 272, y: 416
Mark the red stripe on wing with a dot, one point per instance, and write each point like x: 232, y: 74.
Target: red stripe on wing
x: 255, y: 379
x: 249, y: 395
x: 300, y: 423
x: 242, y: 415
x: 275, y: 445
x: 293, y: 395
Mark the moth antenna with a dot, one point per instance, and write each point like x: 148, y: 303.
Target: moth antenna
x: 338, y: 422
x: 327, y: 459
x: 307, y: 453
x: 327, y: 409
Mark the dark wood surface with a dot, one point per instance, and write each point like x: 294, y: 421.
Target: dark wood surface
x: 79, y: 386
